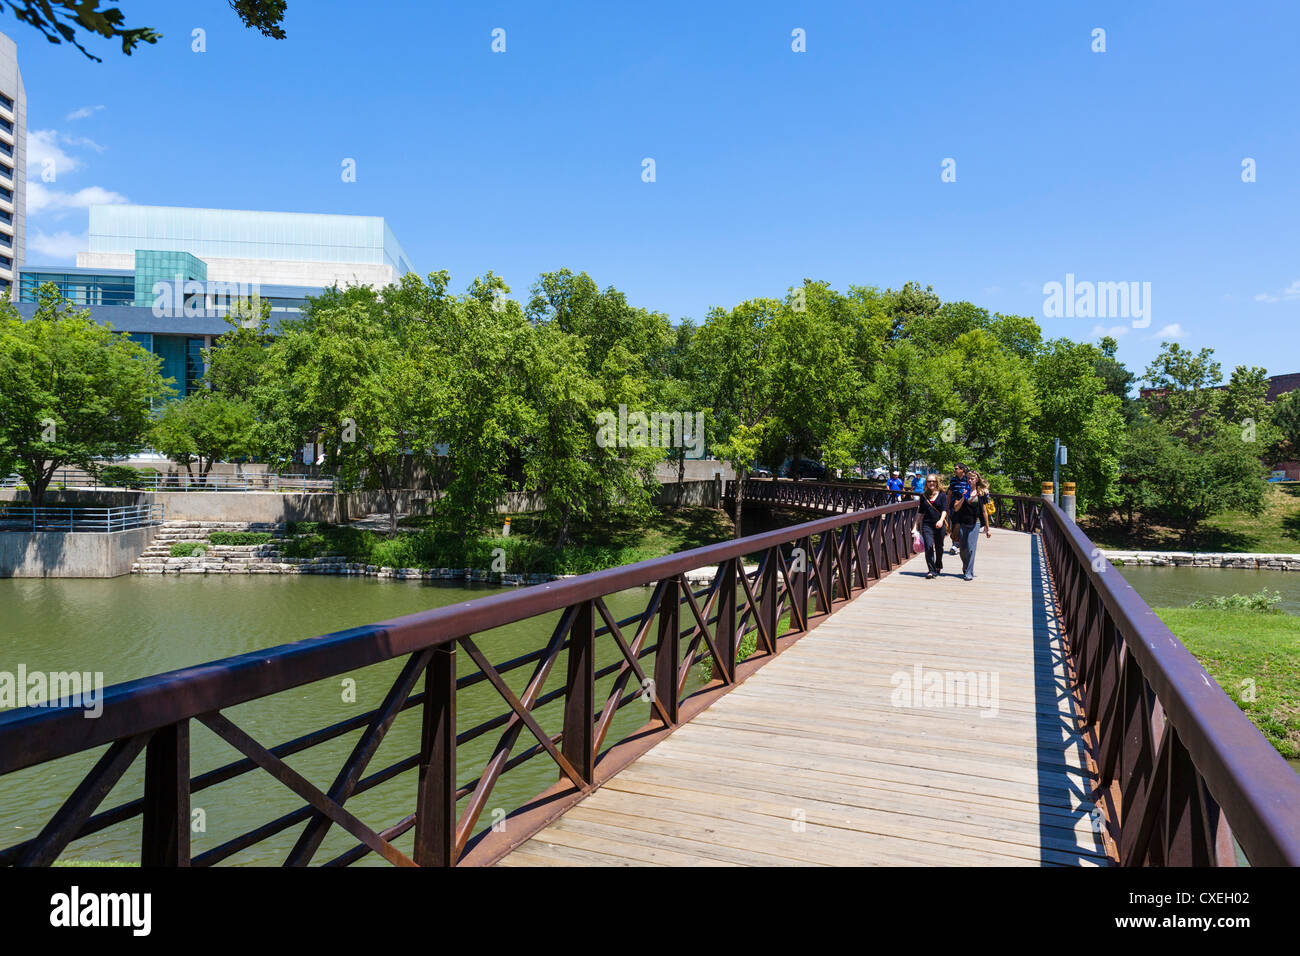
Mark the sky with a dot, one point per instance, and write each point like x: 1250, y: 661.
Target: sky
x: 987, y: 149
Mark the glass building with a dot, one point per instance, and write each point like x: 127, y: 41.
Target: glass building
x: 13, y: 165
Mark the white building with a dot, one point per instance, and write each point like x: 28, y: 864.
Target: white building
x: 13, y: 164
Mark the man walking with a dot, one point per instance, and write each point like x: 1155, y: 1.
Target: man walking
x: 958, y: 486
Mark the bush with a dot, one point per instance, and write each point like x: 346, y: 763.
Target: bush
x: 118, y: 476
x: 188, y: 549
x: 305, y: 527
x: 1264, y: 602
x: 240, y: 537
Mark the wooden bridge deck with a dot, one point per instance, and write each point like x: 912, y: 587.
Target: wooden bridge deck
x: 816, y: 761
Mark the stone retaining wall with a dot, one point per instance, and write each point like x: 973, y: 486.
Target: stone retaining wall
x: 1204, y: 559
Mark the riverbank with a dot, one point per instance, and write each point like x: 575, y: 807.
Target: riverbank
x: 1247, y: 561
x: 1275, y: 531
x: 1255, y: 658
x: 419, y: 551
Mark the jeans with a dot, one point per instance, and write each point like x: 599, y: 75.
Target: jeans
x: 933, y: 538
x: 968, y: 538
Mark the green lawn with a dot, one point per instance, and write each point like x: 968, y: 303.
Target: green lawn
x: 1238, y: 647
x: 1277, y: 530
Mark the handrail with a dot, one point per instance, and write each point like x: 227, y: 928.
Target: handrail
x: 188, y: 482
x: 852, y: 551
x: 1171, y: 744
x: 83, y: 520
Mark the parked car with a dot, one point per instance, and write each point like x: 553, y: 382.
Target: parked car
x: 802, y: 468
x: 760, y: 471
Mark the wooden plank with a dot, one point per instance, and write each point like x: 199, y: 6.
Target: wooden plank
x: 810, y: 762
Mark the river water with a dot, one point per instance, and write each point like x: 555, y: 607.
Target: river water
x: 141, y: 625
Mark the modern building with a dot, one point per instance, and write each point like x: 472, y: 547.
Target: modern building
x: 13, y: 165
x: 168, y: 275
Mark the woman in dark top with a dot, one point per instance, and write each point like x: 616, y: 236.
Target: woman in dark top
x: 932, y: 518
x: 968, y: 509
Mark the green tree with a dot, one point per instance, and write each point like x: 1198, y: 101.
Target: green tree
x: 735, y: 352
x: 1285, y: 415
x: 71, y: 391
x: 203, y: 429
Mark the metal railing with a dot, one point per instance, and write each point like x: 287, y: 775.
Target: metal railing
x: 80, y: 520
x: 66, y: 478
x: 803, y: 573
x: 1182, y: 770
x: 1016, y: 512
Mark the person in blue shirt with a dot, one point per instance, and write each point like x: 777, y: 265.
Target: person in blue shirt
x: 958, y: 486
x: 918, y: 483
x: 894, y: 484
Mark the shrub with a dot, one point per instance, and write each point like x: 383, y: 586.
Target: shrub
x: 305, y: 527
x: 240, y: 537
x: 1263, y: 602
x: 187, y: 549
x: 119, y: 476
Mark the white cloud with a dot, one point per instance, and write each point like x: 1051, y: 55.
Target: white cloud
x: 60, y: 245
x: 81, y: 141
x: 84, y: 112
x: 44, y: 152
x: 1291, y: 294
x: 1115, y: 331
x: 1174, y: 331
x: 40, y: 198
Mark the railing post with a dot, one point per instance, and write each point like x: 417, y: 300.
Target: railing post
x: 725, y: 633
x: 667, y: 651
x: 799, y: 582
x: 826, y: 572
x: 767, y: 604
x: 435, y: 809
x: 165, y: 829
x: 579, y: 741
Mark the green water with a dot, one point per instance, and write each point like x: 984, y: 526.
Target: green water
x: 137, y: 626
x: 1179, y: 587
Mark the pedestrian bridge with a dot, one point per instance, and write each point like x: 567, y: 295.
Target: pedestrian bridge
x: 855, y: 713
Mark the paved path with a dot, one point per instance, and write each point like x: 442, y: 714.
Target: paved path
x: 827, y: 756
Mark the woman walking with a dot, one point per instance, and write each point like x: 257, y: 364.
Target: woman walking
x: 971, y: 516
x: 931, y: 519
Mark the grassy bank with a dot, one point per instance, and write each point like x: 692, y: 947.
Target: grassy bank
x: 1276, y: 531
x: 528, y: 549
x: 1249, y: 654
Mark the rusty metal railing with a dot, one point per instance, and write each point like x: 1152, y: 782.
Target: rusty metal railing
x: 802, y: 574
x: 1182, y: 770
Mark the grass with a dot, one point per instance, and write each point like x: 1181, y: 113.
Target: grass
x: 187, y: 549
x: 1276, y: 531
x: 529, y: 549
x: 1249, y: 654
x: 240, y: 537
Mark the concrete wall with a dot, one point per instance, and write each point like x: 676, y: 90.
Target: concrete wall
x: 59, y: 554
x: 691, y: 494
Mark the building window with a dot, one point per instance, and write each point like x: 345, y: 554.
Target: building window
x: 6, y: 125
x: 6, y: 102
x: 6, y: 148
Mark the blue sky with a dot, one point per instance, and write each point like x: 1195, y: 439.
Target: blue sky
x: 771, y: 165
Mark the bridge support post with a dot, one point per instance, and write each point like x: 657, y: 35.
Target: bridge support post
x: 799, y: 583
x: 165, y: 834
x: 725, y: 635
x: 579, y: 743
x: 435, y: 808
x: 826, y: 572
x: 668, y: 651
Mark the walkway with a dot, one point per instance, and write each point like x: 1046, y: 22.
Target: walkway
x: 815, y: 760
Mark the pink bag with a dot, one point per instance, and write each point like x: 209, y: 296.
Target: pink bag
x: 917, y: 544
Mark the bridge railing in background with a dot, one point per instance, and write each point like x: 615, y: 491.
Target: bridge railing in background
x: 65, y: 478
x: 1016, y: 512
x: 80, y: 520
x: 801, y: 574
x: 1182, y: 769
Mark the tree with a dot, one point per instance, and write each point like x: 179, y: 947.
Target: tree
x: 735, y: 353
x: 1076, y: 406
x: 597, y: 354
x: 340, y: 374
x: 1285, y: 415
x: 60, y: 20
x: 1117, y: 379
x: 71, y: 391
x: 203, y: 428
